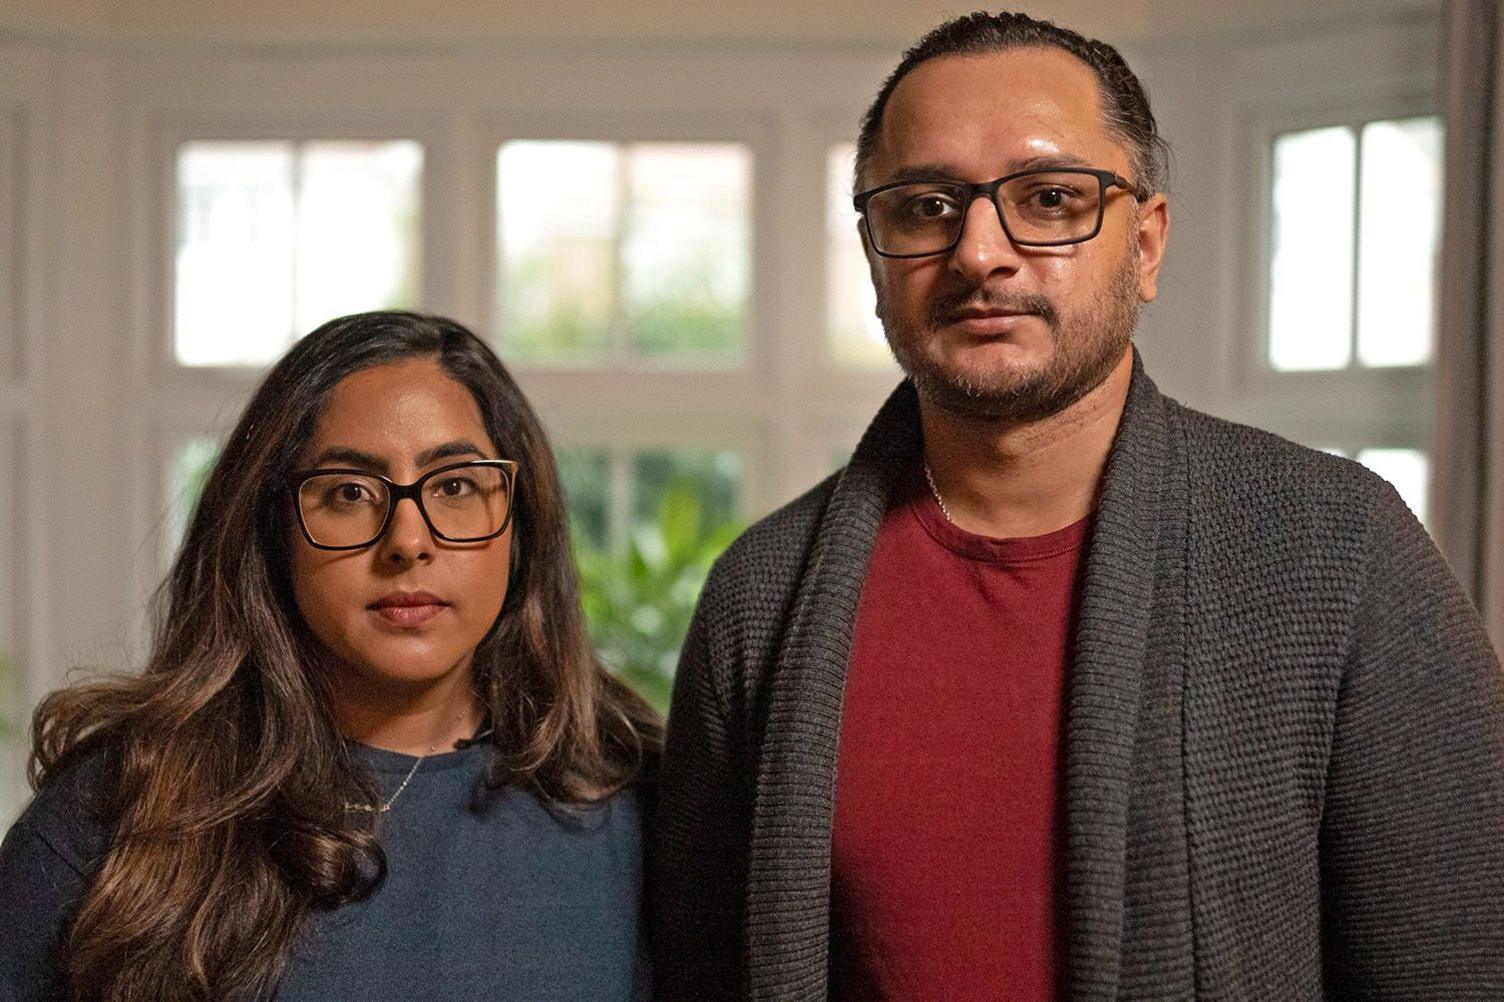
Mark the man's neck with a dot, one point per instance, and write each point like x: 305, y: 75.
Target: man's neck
x: 1012, y: 480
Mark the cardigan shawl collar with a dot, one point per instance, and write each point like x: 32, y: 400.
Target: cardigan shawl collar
x: 1142, y: 507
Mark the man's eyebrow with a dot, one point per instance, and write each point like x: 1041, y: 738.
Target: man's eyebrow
x: 1048, y: 160
x: 343, y: 454
x: 948, y: 172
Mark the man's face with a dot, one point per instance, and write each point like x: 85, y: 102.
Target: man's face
x: 991, y: 329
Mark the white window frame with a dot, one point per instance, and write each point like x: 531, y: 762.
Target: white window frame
x: 1221, y: 103
x: 1318, y: 405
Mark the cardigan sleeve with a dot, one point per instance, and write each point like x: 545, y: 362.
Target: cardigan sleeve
x: 1413, y: 820
x: 697, y: 860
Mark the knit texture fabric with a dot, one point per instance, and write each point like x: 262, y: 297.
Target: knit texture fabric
x: 1284, y: 762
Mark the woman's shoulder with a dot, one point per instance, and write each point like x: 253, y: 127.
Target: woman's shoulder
x: 68, y: 813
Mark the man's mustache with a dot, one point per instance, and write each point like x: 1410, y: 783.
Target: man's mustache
x: 945, y: 306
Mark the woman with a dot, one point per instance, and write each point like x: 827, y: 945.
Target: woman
x: 372, y: 754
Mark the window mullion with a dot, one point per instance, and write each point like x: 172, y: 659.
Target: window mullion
x: 619, y: 501
x: 295, y: 186
x: 620, y: 338
x: 1356, y: 267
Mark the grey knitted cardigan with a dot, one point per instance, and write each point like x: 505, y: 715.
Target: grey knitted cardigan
x: 1284, y: 763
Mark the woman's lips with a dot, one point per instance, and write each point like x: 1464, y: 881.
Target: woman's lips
x: 408, y: 615
x: 408, y: 609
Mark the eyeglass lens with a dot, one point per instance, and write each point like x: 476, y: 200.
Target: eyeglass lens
x: 926, y: 217
x: 348, y: 509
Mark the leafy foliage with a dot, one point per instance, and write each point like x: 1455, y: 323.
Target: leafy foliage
x: 638, y: 602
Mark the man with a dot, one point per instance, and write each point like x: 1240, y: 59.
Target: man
x: 1061, y: 689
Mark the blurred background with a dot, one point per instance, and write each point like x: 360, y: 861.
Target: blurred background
x: 646, y: 208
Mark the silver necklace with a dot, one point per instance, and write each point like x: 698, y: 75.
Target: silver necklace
x: 383, y: 808
x: 930, y: 479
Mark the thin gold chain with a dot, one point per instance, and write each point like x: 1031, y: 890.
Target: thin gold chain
x: 930, y: 479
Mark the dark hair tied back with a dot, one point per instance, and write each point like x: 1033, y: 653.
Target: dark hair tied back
x: 1125, y: 104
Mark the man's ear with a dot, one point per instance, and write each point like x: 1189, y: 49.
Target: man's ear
x: 1153, y: 236
x: 872, y: 258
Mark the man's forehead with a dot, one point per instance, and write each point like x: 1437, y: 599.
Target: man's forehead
x: 988, y: 109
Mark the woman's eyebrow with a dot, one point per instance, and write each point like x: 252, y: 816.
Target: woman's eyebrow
x: 349, y: 457
x: 449, y: 450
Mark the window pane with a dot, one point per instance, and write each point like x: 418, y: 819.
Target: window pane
x: 854, y: 332
x: 188, y: 469
x: 1399, y: 229
x: 715, y: 476
x: 685, y: 249
x: 1409, y: 470
x: 612, y: 250
x: 274, y: 238
x: 586, y: 476
x: 1311, y: 268
x: 672, y: 512
x: 235, y: 252
x: 358, y: 236
x: 558, y: 255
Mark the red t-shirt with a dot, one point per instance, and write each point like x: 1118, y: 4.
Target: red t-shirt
x: 945, y: 850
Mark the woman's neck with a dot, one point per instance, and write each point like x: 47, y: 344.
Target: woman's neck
x: 413, y: 721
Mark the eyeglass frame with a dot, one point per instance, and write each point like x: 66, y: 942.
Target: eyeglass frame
x: 397, y: 492
x: 1106, y: 179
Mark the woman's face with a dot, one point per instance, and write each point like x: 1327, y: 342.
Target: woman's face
x: 410, y: 608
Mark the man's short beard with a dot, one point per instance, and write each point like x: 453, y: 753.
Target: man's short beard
x: 1087, y: 347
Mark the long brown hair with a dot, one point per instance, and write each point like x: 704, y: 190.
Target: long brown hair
x: 227, y: 775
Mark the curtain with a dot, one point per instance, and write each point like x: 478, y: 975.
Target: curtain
x: 1468, y: 485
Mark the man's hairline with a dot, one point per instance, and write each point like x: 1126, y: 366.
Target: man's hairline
x: 1113, y: 130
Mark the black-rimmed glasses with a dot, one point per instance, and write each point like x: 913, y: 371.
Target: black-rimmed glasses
x: 1049, y: 207
x: 349, y: 509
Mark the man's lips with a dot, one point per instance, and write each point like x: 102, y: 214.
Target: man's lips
x: 988, y: 323
x: 408, y: 608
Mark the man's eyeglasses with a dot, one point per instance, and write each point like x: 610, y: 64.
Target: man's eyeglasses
x: 1038, y: 208
x: 350, y: 509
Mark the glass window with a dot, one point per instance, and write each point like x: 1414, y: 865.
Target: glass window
x: 187, y: 470
x: 647, y: 525
x: 1310, y: 303
x: 715, y: 477
x: 1400, y: 229
x: 274, y: 238
x: 853, y: 331
x: 1409, y: 470
x: 613, y: 493
x: 1355, y: 245
x: 623, y: 250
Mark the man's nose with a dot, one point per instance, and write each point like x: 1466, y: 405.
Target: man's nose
x: 984, y: 247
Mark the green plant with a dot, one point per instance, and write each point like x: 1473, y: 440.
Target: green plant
x: 638, y: 602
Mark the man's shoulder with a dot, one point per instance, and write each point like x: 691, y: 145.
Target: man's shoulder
x: 1257, y: 500
x: 1235, y: 459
